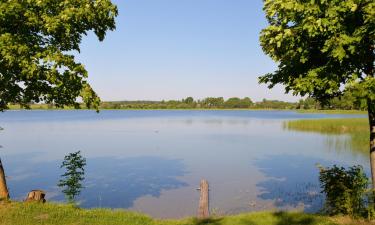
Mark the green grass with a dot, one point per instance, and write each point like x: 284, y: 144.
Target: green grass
x: 17, y: 213
x: 34, y: 213
x: 331, y: 111
x: 357, y: 129
x: 330, y: 126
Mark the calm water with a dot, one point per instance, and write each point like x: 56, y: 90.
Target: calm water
x: 152, y: 161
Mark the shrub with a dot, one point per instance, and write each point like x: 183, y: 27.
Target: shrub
x: 344, y: 190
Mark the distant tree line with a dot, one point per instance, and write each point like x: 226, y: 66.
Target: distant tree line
x: 345, y: 102
x: 191, y: 103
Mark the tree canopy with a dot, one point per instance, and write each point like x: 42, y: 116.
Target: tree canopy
x: 37, y: 44
x: 321, y: 46
x: 324, y: 49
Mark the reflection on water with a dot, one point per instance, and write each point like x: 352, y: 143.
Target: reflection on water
x: 117, y: 183
x: 25, y: 175
x: 152, y: 161
x: 110, y: 182
x: 355, y: 143
x: 293, y: 181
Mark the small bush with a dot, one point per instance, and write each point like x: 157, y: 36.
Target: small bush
x: 344, y: 190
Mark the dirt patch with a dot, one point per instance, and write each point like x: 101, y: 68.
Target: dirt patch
x: 42, y: 217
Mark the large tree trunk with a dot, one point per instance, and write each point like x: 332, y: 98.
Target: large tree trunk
x: 371, y: 117
x: 4, y: 193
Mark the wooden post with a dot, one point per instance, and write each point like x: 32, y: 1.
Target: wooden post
x: 203, y: 210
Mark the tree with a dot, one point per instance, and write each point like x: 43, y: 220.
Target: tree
x: 212, y: 102
x: 71, y: 181
x: 233, y: 102
x: 37, y: 42
x: 247, y: 102
x: 4, y: 193
x: 308, y: 103
x: 346, y: 101
x: 188, y: 100
x: 322, y: 46
x: 238, y: 103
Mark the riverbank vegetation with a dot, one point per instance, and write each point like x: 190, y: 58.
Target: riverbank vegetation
x: 356, y: 129
x: 344, y: 104
x: 346, y: 190
x: 330, y: 126
x: 57, y: 214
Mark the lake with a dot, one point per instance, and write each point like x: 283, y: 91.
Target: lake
x: 152, y: 161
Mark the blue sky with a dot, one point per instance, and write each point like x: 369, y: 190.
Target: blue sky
x: 171, y: 49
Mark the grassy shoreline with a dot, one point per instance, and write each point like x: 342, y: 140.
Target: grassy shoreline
x: 17, y: 213
x: 333, y: 111
x: 329, y: 125
x: 355, y: 129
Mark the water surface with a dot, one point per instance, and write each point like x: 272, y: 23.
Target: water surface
x: 152, y: 161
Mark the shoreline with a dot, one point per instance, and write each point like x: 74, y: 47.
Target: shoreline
x: 306, y: 111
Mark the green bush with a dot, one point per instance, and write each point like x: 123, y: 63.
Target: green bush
x: 344, y: 190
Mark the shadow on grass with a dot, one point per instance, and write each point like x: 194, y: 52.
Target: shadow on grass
x: 292, y: 219
x: 277, y: 218
x: 211, y: 221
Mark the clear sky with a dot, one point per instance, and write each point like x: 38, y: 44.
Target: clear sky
x: 171, y: 49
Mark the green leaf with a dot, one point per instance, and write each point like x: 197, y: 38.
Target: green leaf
x: 35, y: 40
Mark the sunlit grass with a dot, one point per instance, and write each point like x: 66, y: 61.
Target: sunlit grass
x: 332, y: 111
x: 357, y: 130
x: 330, y: 126
x: 57, y: 214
